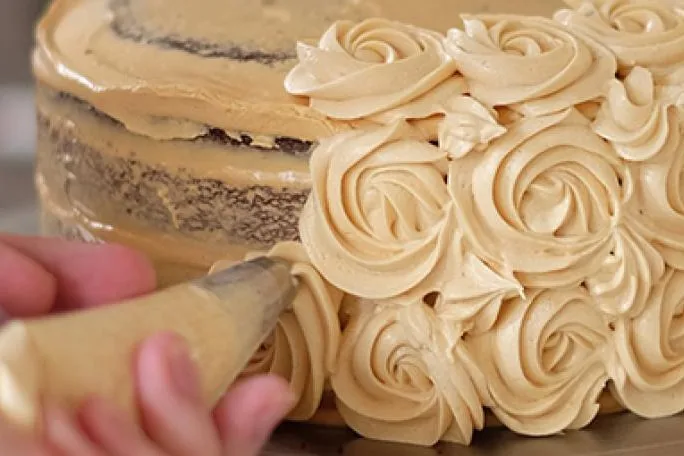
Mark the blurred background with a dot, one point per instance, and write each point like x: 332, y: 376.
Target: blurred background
x: 17, y: 122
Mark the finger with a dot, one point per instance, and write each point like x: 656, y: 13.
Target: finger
x: 13, y: 442
x: 88, y: 274
x: 63, y: 433
x: 250, y: 412
x: 170, y: 399
x: 114, y: 432
x: 28, y: 289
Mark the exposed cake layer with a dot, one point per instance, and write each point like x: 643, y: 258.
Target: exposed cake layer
x: 215, y: 189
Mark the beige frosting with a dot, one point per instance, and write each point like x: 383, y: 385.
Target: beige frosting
x: 636, y: 124
x: 303, y: 348
x: 529, y: 63
x: 622, y: 284
x: 532, y: 256
x: 380, y: 218
x: 545, y: 361
x: 657, y: 209
x: 544, y: 199
x: 642, y: 33
x: 362, y: 69
x: 649, y: 370
x: 404, y: 375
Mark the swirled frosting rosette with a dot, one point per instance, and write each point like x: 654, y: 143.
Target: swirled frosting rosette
x: 303, y: 348
x: 529, y: 63
x: 529, y: 255
x: 622, y: 285
x: 657, y: 209
x: 379, y: 218
x: 543, y: 201
x: 358, y: 70
x: 404, y: 375
x: 646, y: 33
x: 632, y: 118
x: 545, y: 361
x: 649, y: 372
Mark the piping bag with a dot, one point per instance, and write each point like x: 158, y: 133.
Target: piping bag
x: 224, y: 317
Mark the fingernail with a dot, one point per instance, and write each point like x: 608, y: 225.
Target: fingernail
x: 183, y: 370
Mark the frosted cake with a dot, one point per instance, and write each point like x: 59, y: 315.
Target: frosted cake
x: 484, y: 209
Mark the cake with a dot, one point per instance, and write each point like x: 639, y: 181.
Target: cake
x: 484, y: 210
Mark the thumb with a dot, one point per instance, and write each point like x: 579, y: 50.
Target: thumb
x: 250, y: 412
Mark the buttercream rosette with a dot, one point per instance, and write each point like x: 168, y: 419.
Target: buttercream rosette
x: 361, y: 69
x: 529, y: 63
x: 303, y: 348
x: 645, y: 33
x: 405, y: 375
x: 379, y: 217
x: 633, y: 118
x: 657, y: 208
x: 648, y: 376
x: 533, y: 252
x: 546, y: 361
x: 543, y: 200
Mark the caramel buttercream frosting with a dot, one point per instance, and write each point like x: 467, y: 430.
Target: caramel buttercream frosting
x: 404, y: 375
x: 494, y: 210
x: 642, y: 33
x: 547, y: 68
x: 649, y: 369
x: 303, y: 348
x: 545, y: 361
x: 527, y: 257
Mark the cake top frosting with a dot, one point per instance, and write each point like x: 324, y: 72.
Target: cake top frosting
x: 169, y: 69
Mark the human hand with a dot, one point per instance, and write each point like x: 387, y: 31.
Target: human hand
x: 38, y: 276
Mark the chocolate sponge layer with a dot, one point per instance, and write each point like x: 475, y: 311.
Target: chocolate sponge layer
x: 170, y: 200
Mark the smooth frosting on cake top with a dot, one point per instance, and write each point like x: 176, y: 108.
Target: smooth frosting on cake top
x: 169, y: 69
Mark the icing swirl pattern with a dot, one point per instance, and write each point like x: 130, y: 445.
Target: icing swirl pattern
x: 303, y: 348
x: 650, y: 372
x: 379, y: 218
x: 623, y: 284
x: 658, y: 207
x: 632, y: 119
x: 644, y: 33
x: 529, y: 63
x: 405, y: 375
x: 545, y: 361
x: 358, y: 70
x: 543, y: 200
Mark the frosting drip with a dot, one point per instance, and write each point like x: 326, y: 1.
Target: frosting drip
x: 529, y: 63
